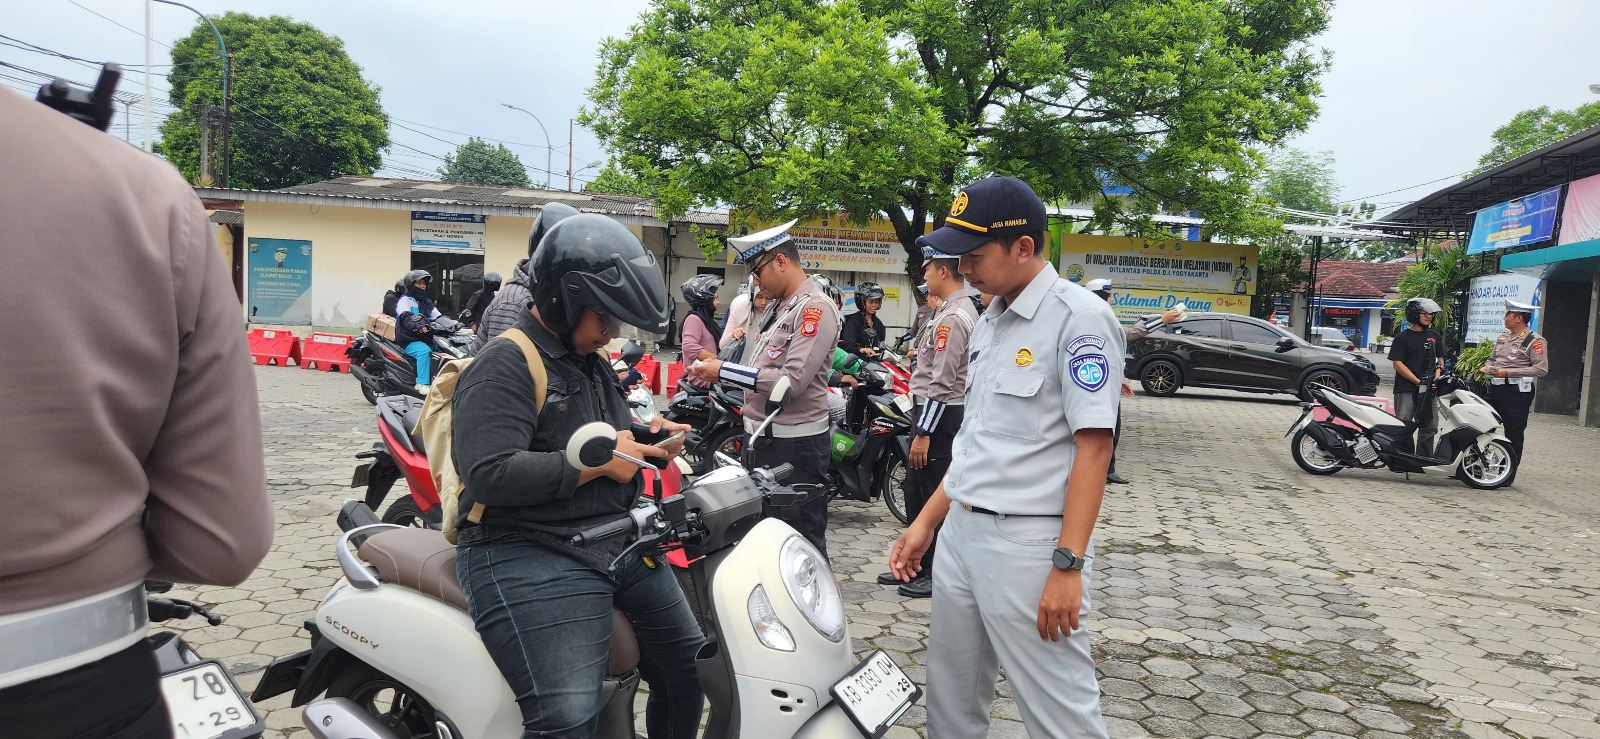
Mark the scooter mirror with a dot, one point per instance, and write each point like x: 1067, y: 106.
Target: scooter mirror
x: 779, y: 397
x: 591, y: 446
x: 631, y: 353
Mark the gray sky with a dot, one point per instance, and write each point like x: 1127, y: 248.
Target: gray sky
x: 1415, y: 90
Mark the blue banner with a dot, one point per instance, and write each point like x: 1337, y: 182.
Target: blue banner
x: 280, y: 281
x: 1526, y: 220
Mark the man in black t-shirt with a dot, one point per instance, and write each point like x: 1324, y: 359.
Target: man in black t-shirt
x: 1416, y: 354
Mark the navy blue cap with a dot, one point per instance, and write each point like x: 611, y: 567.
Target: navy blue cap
x: 986, y: 210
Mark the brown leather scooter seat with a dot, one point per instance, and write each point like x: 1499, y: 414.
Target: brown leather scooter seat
x: 421, y: 560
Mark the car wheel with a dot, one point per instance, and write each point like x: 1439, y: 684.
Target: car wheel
x: 1311, y: 456
x: 1160, y: 378
x: 1323, y: 376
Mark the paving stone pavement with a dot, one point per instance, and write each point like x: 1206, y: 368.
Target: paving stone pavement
x: 1235, y: 595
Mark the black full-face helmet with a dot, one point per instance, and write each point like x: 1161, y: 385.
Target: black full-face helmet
x: 701, y: 289
x: 492, y: 280
x: 591, y: 261
x: 1415, y: 307
x: 411, y: 278
x: 549, y: 215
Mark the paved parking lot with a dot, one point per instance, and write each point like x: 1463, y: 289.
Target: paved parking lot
x: 1234, y: 595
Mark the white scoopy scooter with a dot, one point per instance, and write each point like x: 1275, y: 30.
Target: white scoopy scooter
x: 396, y: 654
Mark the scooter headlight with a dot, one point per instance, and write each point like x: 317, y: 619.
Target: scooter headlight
x: 769, y: 629
x: 811, y: 585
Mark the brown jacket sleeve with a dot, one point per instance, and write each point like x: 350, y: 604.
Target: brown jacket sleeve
x: 208, y: 518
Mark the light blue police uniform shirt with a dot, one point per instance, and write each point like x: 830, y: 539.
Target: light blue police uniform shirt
x: 1041, y: 369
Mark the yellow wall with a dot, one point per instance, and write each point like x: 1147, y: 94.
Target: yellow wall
x: 357, y: 254
x: 505, y: 242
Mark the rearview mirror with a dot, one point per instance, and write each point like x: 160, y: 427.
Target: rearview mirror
x: 591, y: 445
x: 631, y: 353
x: 1285, y: 344
x: 779, y: 397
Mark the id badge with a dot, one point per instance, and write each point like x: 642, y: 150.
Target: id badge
x: 1525, y: 384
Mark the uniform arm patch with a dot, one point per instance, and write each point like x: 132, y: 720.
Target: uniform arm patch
x: 1090, y: 371
x: 809, y: 319
x: 942, y: 338
x: 1086, y: 340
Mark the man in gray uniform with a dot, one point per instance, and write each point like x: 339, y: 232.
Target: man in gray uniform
x: 939, y: 383
x: 797, y: 335
x: 1519, y: 357
x: 1027, y: 477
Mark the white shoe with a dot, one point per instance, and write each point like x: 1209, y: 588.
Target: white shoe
x: 422, y: 389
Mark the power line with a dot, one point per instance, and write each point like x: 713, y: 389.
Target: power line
x: 119, y: 25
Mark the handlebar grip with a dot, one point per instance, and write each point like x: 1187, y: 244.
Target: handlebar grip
x: 603, y: 531
x: 781, y: 471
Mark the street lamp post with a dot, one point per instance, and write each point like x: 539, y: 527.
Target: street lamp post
x: 578, y: 171
x: 548, y: 149
x: 226, y: 108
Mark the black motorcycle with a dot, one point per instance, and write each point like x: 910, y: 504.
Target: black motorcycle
x: 384, y: 368
x: 871, y: 449
x: 716, y: 416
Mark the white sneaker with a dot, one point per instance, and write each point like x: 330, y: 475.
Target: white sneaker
x: 422, y: 389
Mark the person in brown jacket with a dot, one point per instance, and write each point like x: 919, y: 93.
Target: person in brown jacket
x: 130, y: 435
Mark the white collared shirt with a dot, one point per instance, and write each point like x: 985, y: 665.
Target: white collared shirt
x: 1039, y: 371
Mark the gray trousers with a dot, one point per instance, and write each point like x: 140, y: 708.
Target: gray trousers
x: 992, y: 572
x: 1405, y: 406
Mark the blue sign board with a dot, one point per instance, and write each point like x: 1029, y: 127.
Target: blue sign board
x: 280, y: 281
x: 1526, y: 220
x: 450, y: 230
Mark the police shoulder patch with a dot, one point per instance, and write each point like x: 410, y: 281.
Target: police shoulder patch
x: 1090, y: 371
x: 1076, y: 345
x: 942, y: 338
x: 809, y: 319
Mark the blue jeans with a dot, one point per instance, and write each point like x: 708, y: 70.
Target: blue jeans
x: 423, y: 353
x: 546, y: 619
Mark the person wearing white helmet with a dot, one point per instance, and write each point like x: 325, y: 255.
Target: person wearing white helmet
x: 1130, y: 334
x: 1520, y: 355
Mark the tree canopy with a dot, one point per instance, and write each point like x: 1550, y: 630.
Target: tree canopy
x: 887, y: 106
x: 614, y: 181
x: 301, y: 110
x: 1534, y: 128
x: 478, y: 163
x: 1301, y: 180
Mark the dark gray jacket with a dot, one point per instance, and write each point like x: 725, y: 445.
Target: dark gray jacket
x: 509, y: 305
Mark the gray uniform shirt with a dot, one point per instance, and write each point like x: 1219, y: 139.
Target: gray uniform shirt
x: 940, y: 377
x: 800, y: 334
x: 1520, y: 356
x: 1040, y: 370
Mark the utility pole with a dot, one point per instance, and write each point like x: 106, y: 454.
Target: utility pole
x: 148, y: 5
x: 1311, y: 285
x: 205, y: 145
x: 227, y: 117
x: 227, y: 77
x: 569, y: 155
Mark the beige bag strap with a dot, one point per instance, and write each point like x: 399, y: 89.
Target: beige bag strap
x: 541, y: 387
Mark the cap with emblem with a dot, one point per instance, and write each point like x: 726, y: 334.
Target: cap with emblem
x: 1101, y: 285
x: 929, y: 252
x: 986, y: 210
x: 747, y: 247
x: 1513, y: 306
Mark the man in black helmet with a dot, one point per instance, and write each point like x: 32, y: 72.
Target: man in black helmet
x: 522, y: 502
x: 512, y: 301
x: 1417, y: 354
x: 472, y: 312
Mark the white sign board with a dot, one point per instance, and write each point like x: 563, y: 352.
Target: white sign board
x: 1486, y: 304
x: 849, y: 249
x: 447, y: 231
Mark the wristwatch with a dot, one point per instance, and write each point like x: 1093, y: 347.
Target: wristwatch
x: 1064, y: 559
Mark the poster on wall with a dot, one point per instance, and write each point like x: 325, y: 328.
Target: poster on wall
x: 1526, y: 220
x: 1486, y: 303
x: 1580, y: 217
x: 462, y: 231
x: 279, y: 288
x: 1131, y: 305
x: 1177, y: 266
x: 834, y: 243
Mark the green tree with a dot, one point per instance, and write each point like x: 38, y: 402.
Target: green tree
x: 1278, y: 273
x: 301, y: 110
x: 1535, y: 128
x: 616, y: 182
x: 783, y: 107
x: 478, y: 163
x: 1301, y: 180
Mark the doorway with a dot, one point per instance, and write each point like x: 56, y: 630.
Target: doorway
x: 456, y: 276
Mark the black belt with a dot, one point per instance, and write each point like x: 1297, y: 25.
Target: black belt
x: 987, y: 512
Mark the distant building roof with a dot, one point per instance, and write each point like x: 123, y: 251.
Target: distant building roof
x: 1357, y: 279
x: 228, y: 217
x: 396, y: 194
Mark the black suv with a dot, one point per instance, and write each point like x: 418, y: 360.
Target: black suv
x: 1241, y: 353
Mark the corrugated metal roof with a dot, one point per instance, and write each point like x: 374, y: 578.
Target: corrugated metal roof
x: 228, y: 217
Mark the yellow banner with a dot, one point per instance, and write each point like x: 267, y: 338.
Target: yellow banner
x: 1131, y: 305
x: 834, y: 243
x: 1141, y: 264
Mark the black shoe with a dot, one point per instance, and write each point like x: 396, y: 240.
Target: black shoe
x: 922, y: 587
x: 1116, y: 479
x: 888, y: 578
